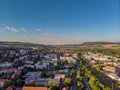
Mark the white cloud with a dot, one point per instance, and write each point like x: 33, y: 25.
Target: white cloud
x: 38, y: 30
x: 49, y: 35
x: 14, y: 30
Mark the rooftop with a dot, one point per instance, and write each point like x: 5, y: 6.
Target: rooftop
x: 31, y: 74
x: 3, y: 80
x: 34, y: 88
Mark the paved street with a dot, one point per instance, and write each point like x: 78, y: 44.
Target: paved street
x: 86, y: 83
x: 74, y: 84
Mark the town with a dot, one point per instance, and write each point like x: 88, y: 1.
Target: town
x: 108, y: 64
x: 59, y: 44
x: 54, y: 69
x: 25, y: 68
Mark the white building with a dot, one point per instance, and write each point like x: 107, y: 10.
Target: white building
x: 69, y: 59
x: 5, y: 64
x: 2, y: 81
x: 58, y: 76
x: 9, y: 70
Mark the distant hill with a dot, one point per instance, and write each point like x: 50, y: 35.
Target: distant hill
x: 99, y: 43
x: 42, y: 46
x: 66, y: 45
x: 91, y: 45
x: 21, y: 45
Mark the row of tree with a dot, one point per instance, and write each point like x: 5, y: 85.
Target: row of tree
x: 94, y: 82
x: 80, y: 84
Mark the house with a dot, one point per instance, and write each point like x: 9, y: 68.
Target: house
x: 5, y: 64
x: 29, y: 66
x: 18, y: 72
x: 21, y: 67
x: 109, y: 69
x: 92, y: 62
x: 58, y: 76
x: 34, y: 88
x: 23, y: 52
x: 65, y: 71
x: 41, y: 66
x: 2, y: 81
x: 69, y: 59
x: 31, y: 76
x: 87, y: 57
x: 9, y: 70
x: 9, y: 88
x: 29, y: 62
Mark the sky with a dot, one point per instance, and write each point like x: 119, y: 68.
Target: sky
x: 59, y: 21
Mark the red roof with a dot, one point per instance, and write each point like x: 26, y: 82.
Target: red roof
x: 9, y: 88
x: 3, y: 62
x: 34, y: 88
x: 3, y: 80
x: 9, y: 69
x: 18, y: 72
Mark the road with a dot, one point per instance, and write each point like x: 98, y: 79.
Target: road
x: 87, y: 87
x: 74, y: 83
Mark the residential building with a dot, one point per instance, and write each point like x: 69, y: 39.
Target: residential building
x: 2, y: 81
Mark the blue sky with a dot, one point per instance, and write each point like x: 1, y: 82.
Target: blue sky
x: 59, y: 21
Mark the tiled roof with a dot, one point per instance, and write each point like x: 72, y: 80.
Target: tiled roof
x: 3, y: 80
x: 34, y: 88
x: 3, y: 62
x: 9, y: 88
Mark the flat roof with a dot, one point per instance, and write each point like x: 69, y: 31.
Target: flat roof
x: 31, y: 74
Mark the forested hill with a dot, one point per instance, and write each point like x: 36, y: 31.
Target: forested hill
x: 21, y: 45
x: 85, y: 44
x: 91, y: 45
x: 99, y: 43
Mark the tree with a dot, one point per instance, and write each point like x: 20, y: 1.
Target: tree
x: 68, y: 81
x: 19, y: 83
x: 80, y: 85
x: 65, y: 61
x: 72, y: 72
x: 7, y: 83
x: 78, y: 72
x: 78, y: 76
x: 53, y: 86
x: 32, y: 82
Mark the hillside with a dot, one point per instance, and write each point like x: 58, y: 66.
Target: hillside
x: 21, y: 45
x: 91, y: 45
x: 101, y: 44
